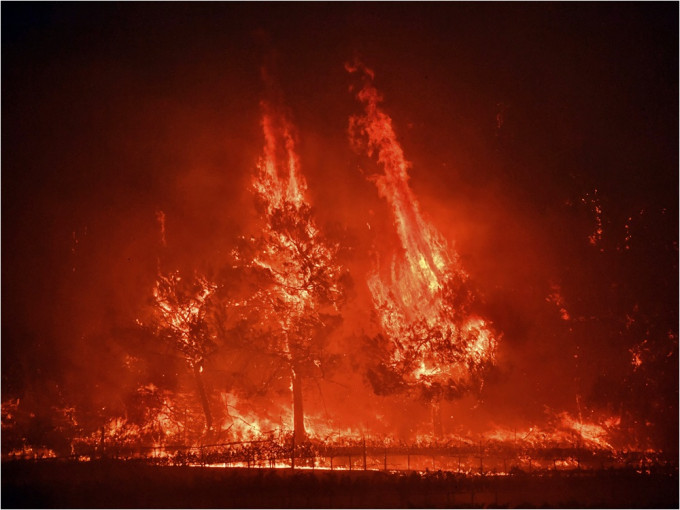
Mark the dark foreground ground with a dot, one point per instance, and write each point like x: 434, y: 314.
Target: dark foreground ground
x: 109, y: 484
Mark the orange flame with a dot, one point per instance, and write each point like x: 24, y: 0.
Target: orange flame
x: 279, y: 178
x: 418, y: 295
x: 293, y: 254
x: 303, y: 277
x: 181, y: 312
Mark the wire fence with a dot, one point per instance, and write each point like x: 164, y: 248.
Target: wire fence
x: 267, y: 453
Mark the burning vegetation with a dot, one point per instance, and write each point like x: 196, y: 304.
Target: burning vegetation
x: 299, y: 281
x: 337, y: 296
x: 266, y: 327
x: 435, y: 342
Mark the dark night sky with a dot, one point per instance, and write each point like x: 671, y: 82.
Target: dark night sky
x: 113, y: 111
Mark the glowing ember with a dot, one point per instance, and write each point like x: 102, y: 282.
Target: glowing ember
x: 636, y: 353
x: 593, y: 202
x: 556, y: 298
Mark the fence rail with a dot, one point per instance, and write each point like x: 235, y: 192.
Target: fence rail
x: 263, y: 453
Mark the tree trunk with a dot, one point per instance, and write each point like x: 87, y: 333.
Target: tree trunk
x: 437, y: 428
x: 298, y: 413
x: 204, y: 397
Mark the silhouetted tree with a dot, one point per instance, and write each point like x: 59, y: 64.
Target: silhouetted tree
x: 181, y: 319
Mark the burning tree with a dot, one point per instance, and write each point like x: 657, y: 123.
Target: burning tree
x: 433, y: 342
x: 181, y: 311
x: 299, y: 287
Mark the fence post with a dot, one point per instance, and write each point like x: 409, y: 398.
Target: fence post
x: 408, y: 460
x: 292, y: 455
x: 364, y: 454
x: 481, y: 458
x: 350, y: 462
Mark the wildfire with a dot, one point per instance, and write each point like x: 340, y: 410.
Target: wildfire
x: 244, y: 423
x: 300, y: 287
x: 422, y: 304
x: 293, y: 252
x: 182, y: 312
x: 566, y: 431
x: 591, y: 433
x: 181, y: 319
x: 279, y: 178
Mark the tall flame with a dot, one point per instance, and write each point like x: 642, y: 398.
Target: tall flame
x: 293, y: 251
x: 299, y: 266
x: 279, y: 178
x: 422, y: 303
